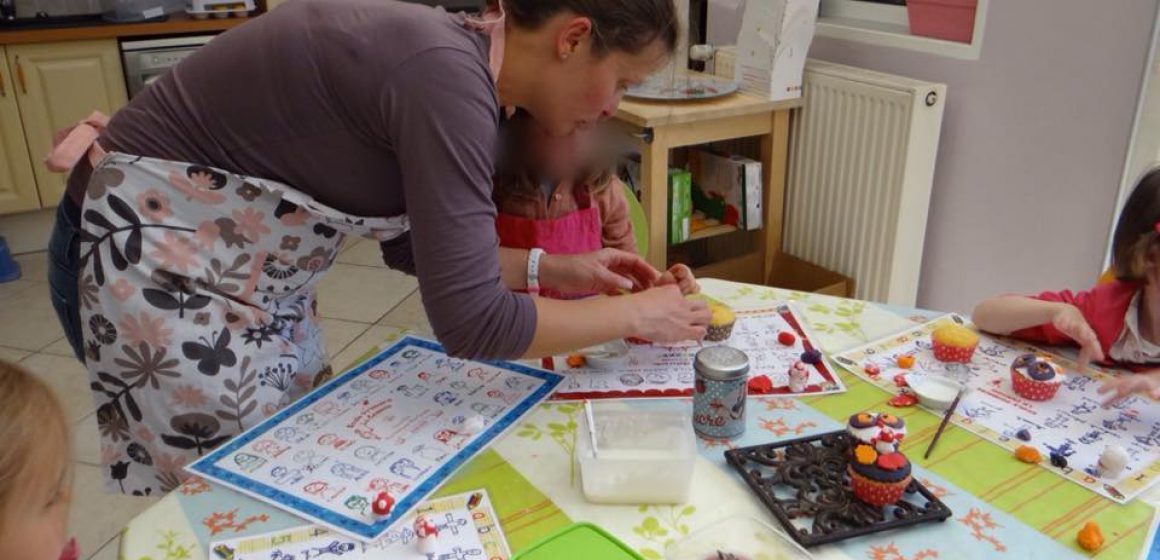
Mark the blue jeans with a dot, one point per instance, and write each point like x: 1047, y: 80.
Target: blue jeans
x: 63, y: 267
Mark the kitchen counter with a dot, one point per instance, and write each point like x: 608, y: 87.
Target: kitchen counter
x: 177, y: 24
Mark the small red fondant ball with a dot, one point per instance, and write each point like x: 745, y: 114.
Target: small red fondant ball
x: 760, y: 385
x: 383, y: 504
x: 786, y: 338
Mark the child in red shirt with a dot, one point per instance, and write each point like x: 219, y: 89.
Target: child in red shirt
x: 1115, y: 322
x: 561, y: 195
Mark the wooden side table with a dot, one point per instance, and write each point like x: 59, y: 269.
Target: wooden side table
x: 660, y: 127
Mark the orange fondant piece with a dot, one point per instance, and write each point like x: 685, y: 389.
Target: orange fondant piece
x: 865, y: 454
x: 1090, y: 537
x: 906, y: 362
x: 577, y: 361
x: 1028, y: 454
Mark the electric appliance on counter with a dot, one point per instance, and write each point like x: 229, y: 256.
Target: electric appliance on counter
x: 21, y: 13
x: 130, y: 11
x: 147, y: 60
x: 202, y: 9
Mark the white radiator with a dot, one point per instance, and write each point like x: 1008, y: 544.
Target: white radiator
x: 862, y: 153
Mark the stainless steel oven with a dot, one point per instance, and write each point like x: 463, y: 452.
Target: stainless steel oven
x: 149, y: 59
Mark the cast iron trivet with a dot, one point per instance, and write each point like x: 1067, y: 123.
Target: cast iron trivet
x: 804, y: 483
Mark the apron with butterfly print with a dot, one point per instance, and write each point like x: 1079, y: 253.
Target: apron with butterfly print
x: 197, y: 291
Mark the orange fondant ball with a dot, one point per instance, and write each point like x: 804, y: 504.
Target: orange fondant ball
x: 1090, y: 537
x: 1028, y: 454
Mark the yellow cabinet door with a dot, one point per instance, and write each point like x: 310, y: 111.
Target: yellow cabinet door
x: 58, y: 84
x: 17, y: 184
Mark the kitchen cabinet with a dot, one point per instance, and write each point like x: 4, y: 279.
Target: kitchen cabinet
x: 271, y: 4
x: 56, y: 85
x: 17, y: 185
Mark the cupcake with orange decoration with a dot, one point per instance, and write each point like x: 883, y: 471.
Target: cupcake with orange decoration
x: 879, y: 472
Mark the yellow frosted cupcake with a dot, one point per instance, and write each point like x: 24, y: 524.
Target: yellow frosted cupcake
x: 954, y: 343
x: 721, y: 325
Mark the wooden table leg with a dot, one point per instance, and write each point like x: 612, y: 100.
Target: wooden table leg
x: 775, y: 166
x: 654, y: 173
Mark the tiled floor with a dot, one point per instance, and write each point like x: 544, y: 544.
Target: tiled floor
x: 361, y: 301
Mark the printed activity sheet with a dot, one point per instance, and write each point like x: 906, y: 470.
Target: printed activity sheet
x: 1072, y: 424
x: 402, y: 422
x: 468, y: 530
x: 667, y: 371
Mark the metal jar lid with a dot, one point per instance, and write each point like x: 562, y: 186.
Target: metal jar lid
x: 721, y: 363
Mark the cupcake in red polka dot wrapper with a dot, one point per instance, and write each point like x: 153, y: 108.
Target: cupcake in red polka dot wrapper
x: 1035, y: 378
x: 954, y: 343
x: 879, y: 472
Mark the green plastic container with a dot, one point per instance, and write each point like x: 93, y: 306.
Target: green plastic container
x: 582, y: 541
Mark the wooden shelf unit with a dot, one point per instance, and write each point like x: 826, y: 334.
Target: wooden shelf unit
x: 659, y: 127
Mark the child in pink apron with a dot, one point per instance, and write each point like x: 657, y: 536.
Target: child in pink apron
x: 561, y: 195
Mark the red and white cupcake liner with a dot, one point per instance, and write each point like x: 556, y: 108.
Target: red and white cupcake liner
x: 953, y: 354
x: 877, y: 493
x: 1031, y: 389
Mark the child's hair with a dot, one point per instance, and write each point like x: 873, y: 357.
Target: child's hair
x: 516, y: 174
x: 35, y: 435
x: 1137, y: 236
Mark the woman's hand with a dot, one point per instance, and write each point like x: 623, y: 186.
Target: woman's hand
x: 1124, y: 385
x: 1069, y: 321
x: 604, y: 271
x: 664, y: 316
x: 682, y: 276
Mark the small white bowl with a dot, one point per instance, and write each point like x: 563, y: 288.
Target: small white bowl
x: 934, y: 391
x: 607, y: 356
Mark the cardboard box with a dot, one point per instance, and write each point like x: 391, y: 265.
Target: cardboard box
x: 728, y: 188
x: 792, y: 273
x: 771, y: 51
x: 680, y: 205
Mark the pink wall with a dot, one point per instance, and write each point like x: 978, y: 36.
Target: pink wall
x: 1033, y: 145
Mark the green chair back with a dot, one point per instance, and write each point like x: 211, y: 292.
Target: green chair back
x: 639, y: 222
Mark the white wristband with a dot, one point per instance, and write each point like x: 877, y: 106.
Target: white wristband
x: 534, y: 256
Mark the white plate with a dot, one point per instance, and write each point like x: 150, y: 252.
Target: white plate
x: 685, y: 89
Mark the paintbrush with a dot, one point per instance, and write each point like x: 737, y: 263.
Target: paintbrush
x: 943, y: 425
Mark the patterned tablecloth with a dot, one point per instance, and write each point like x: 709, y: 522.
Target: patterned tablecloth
x: 1002, y: 508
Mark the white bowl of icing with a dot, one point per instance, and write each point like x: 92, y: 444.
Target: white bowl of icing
x: 934, y: 391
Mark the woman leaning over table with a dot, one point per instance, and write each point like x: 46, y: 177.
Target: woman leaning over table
x: 198, y: 224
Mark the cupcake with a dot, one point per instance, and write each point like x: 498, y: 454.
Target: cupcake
x: 1034, y: 378
x: 721, y: 325
x: 879, y: 472
x: 954, y: 343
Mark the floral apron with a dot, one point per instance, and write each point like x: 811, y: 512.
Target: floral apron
x: 197, y: 291
x: 574, y: 233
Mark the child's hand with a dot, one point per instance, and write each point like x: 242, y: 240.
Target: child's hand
x: 682, y: 276
x: 1069, y: 321
x: 1128, y: 384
